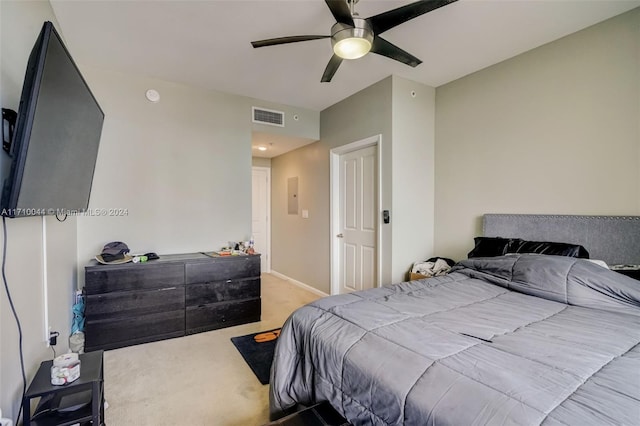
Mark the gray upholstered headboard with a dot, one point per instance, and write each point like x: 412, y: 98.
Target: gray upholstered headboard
x: 614, y: 239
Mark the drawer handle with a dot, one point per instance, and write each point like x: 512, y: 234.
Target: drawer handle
x: 168, y: 288
x: 228, y: 281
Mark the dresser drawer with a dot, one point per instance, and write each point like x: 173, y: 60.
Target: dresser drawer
x: 224, y: 314
x: 223, y: 269
x: 203, y: 294
x: 119, y: 332
x: 132, y: 277
x: 129, y: 303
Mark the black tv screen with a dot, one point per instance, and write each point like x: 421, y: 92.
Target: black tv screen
x: 56, y: 138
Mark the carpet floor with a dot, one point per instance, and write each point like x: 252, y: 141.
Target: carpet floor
x: 199, y: 379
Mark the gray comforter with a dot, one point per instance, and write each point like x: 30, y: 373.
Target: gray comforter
x: 520, y: 339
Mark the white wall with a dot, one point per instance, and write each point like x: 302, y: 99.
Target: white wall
x: 181, y: 168
x: 555, y: 130
x: 261, y: 162
x: 413, y: 116
x: 20, y: 24
x: 301, y: 247
x: 298, y: 122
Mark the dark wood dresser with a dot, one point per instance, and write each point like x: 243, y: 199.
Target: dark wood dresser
x: 175, y: 295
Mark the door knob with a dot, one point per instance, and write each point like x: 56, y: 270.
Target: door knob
x: 339, y: 235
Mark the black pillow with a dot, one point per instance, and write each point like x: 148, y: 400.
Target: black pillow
x: 497, y: 246
x: 490, y: 247
x: 546, y: 247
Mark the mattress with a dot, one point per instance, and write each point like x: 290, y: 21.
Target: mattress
x: 519, y: 339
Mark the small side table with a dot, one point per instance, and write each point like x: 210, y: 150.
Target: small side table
x: 79, y: 401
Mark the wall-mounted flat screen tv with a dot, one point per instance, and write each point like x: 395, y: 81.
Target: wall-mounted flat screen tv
x: 56, y: 138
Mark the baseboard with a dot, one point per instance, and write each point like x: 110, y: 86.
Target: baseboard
x: 298, y: 283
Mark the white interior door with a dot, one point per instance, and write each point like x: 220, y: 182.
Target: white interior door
x: 260, y: 207
x: 358, y: 219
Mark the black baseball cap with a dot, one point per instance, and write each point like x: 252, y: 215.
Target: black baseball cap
x: 115, y: 248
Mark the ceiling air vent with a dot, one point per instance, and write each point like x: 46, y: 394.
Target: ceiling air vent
x: 268, y: 116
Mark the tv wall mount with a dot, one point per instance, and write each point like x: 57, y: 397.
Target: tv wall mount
x: 9, y: 117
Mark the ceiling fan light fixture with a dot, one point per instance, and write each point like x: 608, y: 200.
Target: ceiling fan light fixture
x: 353, y: 37
x: 352, y: 48
x: 351, y: 42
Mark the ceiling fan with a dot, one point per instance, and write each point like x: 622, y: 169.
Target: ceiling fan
x: 353, y: 37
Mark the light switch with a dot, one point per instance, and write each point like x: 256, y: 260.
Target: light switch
x: 305, y: 214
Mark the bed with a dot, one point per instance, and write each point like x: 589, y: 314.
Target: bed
x: 514, y: 339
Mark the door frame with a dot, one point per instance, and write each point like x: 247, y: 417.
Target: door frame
x: 334, y: 197
x: 268, y: 230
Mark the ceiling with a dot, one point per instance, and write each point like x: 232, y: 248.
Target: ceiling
x: 275, y: 144
x: 207, y: 43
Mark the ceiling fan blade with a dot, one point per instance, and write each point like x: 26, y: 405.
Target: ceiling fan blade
x: 331, y: 69
x: 340, y: 11
x: 285, y: 40
x: 384, y: 48
x: 387, y: 20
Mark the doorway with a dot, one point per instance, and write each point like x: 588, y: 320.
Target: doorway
x: 355, y: 216
x: 260, y: 214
